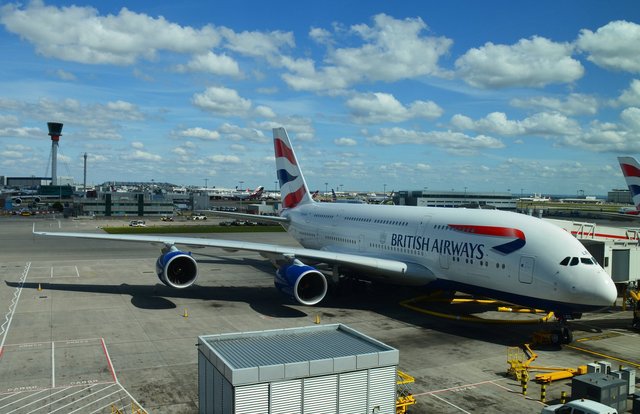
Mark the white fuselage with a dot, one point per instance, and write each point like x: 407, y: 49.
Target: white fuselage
x: 509, y: 256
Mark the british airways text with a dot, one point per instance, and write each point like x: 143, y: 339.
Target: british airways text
x: 441, y: 246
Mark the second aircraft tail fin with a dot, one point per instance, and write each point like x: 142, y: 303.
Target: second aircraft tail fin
x: 631, y: 171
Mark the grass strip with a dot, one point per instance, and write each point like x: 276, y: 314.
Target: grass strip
x: 192, y: 229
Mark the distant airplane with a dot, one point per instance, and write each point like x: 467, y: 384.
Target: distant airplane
x: 504, y: 255
x: 631, y: 171
x: 249, y: 195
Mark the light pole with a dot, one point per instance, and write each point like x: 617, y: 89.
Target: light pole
x: 206, y: 181
x: 326, y: 188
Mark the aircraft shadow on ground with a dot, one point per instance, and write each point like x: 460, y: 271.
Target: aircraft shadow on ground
x: 267, y: 301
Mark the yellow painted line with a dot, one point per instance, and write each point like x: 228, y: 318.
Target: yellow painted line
x: 599, y: 337
x: 409, y: 305
x: 624, y: 361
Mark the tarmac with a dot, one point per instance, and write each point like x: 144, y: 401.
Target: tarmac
x: 86, y: 327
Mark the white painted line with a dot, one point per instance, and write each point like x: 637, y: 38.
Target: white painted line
x: 80, y: 399
x: 41, y: 399
x: 451, y: 404
x: 77, y: 273
x: 23, y: 398
x: 12, y: 307
x: 95, y: 401
x: 58, y: 400
x: 51, y: 272
x: 53, y: 366
x: 9, y: 395
x: 134, y: 400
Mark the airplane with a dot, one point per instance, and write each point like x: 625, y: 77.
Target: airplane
x: 249, y: 195
x: 504, y: 255
x: 631, y: 171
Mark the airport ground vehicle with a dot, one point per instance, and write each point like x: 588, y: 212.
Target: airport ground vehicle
x: 198, y: 217
x: 137, y: 223
x: 579, y: 407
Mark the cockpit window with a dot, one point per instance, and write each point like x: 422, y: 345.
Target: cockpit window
x: 565, y: 261
x: 586, y: 260
x: 574, y: 261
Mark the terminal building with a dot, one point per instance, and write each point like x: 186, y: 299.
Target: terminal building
x: 424, y: 198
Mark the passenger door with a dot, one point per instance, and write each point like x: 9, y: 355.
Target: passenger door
x: 525, y: 272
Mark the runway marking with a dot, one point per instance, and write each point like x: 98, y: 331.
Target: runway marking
x: 4, y: 329
x: 588, y: 351
x: 53, y: 366
x: 460, y: 387
x: 106, y: 353
x: 451, y: 404
x: 75, y: 401
x: 95, y: 401
x: 23, y: 398
x: 36, y: 401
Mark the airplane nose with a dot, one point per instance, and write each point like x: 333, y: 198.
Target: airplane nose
x: 606, y: 292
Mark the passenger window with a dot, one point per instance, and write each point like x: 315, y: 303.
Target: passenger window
x: 574, y: 261
x: 565, y: 261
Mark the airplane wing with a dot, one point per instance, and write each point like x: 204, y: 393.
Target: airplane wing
x: 271, y: 251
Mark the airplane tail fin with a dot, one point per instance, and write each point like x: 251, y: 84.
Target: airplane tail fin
x: 334, y: 197
x: 631, y: 171
x: 293, y: 188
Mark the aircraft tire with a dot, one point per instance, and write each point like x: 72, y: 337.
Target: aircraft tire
x: 567, y: 335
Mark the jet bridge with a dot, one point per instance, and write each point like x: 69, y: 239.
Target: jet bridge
x: 617, y: 249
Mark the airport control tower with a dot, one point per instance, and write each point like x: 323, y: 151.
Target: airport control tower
x: 55, y: 131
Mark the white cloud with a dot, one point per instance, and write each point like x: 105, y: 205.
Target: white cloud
x: 139, y: 155
x: 21, y: 132
x: 82, y: 35
x: 64, y: 75
x: 264, y: 112
x: 137, y: 145
x: 542, y: 123
x: 631, y: 96
x: 392, y: 50
x: 236, y: 133
x: 257, y: 44
x: 212, y: 63
x: 451, y: 141
x: 384, y: 107
x: 534, y: 62
x: 320, y: 36
x: 613, y: 46
x: 612, y: 137
x: 229, y: 159
x: 223, y: 101
x: 345, y: 142
x: 11, y: 154
x: 573, y: 104
x: 200, y: 133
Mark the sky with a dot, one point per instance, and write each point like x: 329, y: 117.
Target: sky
x: 498, y: 95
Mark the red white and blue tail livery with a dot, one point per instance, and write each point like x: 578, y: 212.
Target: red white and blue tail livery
x: 504, y: 255
x: 631, y: 171
x: 293, y: 187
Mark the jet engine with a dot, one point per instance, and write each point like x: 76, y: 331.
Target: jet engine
x: 301, y: 282
x: 177, y: 269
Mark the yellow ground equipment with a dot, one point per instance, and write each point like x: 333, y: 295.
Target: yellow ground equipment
x: 404, y: 398
x: 520, y: 359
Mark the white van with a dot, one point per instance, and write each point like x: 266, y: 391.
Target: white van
x: 579, y: 407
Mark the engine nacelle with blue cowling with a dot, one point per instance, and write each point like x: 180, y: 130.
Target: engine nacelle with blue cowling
x: 177, y: 269
x: 306, y: 284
